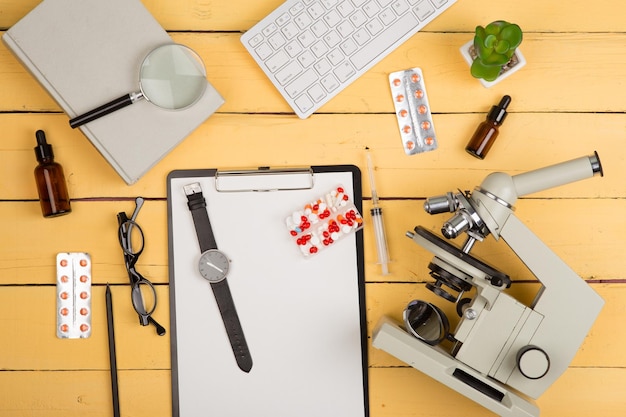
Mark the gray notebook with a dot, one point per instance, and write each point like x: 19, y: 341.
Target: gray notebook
x: 88, y: 52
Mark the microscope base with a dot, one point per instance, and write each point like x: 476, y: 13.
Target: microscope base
x: 439, y: 365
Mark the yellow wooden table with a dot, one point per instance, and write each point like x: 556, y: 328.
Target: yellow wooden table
x: 567, y: 102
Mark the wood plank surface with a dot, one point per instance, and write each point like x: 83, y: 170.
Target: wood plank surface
x: 567, y: 102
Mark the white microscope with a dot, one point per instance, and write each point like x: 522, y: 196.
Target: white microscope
x: 504, y: 354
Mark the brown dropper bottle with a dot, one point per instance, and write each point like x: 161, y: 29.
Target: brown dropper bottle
x: 487, y: 132
x: 53, y: 195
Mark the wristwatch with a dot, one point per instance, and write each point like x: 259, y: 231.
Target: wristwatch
x: 214, y: 266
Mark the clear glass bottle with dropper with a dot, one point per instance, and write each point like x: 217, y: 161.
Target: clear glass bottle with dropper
x: 51, y: 186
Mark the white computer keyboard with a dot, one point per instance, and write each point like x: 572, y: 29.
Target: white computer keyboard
x: 313, y: 49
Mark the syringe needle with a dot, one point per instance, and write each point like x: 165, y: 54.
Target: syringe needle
x: 377, y: 219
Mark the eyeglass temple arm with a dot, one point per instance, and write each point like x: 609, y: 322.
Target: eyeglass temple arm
x: 159, y: 329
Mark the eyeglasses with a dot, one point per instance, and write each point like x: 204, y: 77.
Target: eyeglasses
x: 143, y: 294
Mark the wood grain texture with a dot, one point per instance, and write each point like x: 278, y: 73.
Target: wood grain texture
x: 567, y: 102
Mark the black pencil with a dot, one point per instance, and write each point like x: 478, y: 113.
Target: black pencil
x: 112, y: 356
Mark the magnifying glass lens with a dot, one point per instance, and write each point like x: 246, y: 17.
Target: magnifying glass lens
x: 424, y: 322
x: 172, y: 77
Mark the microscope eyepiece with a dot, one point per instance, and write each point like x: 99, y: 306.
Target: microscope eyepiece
x: 596, y: 166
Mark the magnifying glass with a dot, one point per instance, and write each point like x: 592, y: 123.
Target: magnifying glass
x: 427, y: 322
x: 171, y: 77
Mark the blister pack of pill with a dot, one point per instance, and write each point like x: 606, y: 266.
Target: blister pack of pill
x: 73, y: 295
x: 413, y: 111
x: 319, y: 223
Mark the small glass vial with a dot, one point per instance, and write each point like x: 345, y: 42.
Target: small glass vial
x: 487, y: 132
x: 53, y: 195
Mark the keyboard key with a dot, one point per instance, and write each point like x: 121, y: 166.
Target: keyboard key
x: 345, y: 8
x: 332, y: 18
x: 319, y: 49
x: 302, y: 20
x: 332, y: 38
x: 387, y: 16
x: 306, y: 38
x: 304, y: 103
x: 264, y: 50
x: 335, y: 57
x: 424, y: 10
x: 348, y: 47
x: 276, y: 40
x: 379, y: 44
x: 296, y: 8
x: 319, y: 28
x: 361, y: 36
x: 316, y: 11
x: 306, y: 59
x: 269, y: 29
x: 374, y: 26
x: 282, y: 19
x: 290, y: 30
x: 358, y: 18
x: 371, y: 9
x: 279, y: 59
x: 293, y: 48
x: 400, y: 7
x: 316, y: 92
x: 345, y: 28
x: 439, y: 3
x: 300, y: 84
x: 288, y: 73
x: 330, y: 83
x: 255, y: 40
x: 344, y: 71
x: 322, y: 66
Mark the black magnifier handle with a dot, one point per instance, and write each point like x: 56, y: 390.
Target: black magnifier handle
x: 105, y: 109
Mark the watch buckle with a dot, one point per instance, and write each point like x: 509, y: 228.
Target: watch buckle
x: 193, y: 188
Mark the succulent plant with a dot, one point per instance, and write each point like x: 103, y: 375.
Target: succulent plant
x: 494, y: 45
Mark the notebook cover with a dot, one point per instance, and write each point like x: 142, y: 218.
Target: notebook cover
x: 88, y: 52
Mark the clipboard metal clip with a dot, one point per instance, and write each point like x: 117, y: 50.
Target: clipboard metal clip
x: 264, y: 179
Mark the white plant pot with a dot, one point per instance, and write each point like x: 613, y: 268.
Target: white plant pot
x: 516, y: 63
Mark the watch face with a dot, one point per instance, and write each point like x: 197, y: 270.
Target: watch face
x: 213, y: 265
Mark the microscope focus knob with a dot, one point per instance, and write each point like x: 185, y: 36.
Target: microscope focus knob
x: 533, y: 362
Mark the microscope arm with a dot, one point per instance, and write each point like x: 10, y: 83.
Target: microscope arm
x: 569, y: 306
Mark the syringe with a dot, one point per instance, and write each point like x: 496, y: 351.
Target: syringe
x: 377, y: 219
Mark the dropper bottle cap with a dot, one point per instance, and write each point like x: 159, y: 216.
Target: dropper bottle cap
x: 43, y: 150
x: 498, y: 113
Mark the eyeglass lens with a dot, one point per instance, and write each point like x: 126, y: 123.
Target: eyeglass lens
x: 131, y: 238
x: 144, y: 298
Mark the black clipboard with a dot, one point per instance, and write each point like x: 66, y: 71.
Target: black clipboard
x: 303, y: 316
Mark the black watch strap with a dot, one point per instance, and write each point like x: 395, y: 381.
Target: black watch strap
x: 221, y: 290
x: 197, y: 205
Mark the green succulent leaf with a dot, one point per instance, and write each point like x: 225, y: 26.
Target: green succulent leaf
x: 512, y: 33
x: 486, y: 72
x: 480, y: 32
x: 495, y: 59
x: 494, y: 28
x: 502, y: 47
x: 490, y: 41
